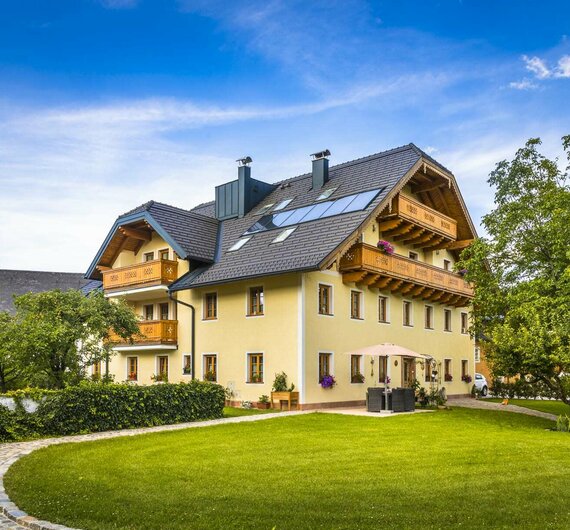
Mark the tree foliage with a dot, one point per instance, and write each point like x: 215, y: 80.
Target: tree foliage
x: 12, y: 367
x: 521, y: 272
x: 59, y: 334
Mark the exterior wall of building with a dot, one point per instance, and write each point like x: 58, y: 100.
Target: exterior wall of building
x: 340, y: 333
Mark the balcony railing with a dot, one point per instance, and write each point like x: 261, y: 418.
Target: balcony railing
x: 156, y: 272
x: 369, y: 265
x: 152, y: 332
x: 423, y: 215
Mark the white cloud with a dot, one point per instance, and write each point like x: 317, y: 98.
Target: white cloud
x: 563, y: 69
x: 525, y: 84
x: 537, y: 66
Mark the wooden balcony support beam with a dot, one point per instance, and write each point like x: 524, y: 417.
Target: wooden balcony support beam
x: 382, y: 283
x: 143, y: 235
x: 411, y: 234
x: 428, y: 186
x: 385, y: 226
x: 446, y: 298
x: 407, y: 289
x: 436, y: 296
x: 355, y: 276
x: 404, y: 228
x: 371, y: 279
x: 395, y: 286
x: 453, y: 245
x: 417, y: 292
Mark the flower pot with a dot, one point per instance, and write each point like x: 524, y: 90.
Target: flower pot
x: 261, y: 406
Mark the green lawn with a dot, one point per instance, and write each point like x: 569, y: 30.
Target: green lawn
x: 232, y: 412
x: 553, y: 407
x: 462, y: 467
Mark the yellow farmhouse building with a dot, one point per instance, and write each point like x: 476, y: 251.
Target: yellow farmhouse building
x: 289, y: 277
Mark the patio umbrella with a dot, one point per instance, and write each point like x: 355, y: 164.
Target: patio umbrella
x: 387, y: 349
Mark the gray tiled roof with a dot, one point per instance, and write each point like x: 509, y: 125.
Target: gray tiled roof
x: 313, y: 241
x: 194, y: 232
x: 15, y: 282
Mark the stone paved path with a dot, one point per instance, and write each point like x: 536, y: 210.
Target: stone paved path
x: 490, y: 405
x: 12, y: 517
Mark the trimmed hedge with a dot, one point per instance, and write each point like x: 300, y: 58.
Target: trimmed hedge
x: 95, y: 407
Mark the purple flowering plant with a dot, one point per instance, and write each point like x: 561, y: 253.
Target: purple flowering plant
x: 328, y: 381
x: 385, y: 246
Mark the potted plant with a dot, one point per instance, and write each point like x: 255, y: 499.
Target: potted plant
x: 328, y: 381
x: 385, y: 246
x: 281, y: 392
x: 210, y: 376
x: 448, y: 378
x: 263, y: 402
x: 462, y: 272
x: 159, y: 378
x: 357, y: 378
x: 466, y: 378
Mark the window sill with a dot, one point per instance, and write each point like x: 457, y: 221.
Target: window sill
x: 254, y: 383
x: 429, y: 329
x: 255, y: 315
x: 326, y: 314
x: 383, y: 322
x: 209, y: 319
x: 356, y: 318
x: 407, y: 325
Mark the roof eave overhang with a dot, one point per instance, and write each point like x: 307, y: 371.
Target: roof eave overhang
x: 127, y: 219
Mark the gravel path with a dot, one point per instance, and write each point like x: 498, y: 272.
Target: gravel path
x: 489, y: 405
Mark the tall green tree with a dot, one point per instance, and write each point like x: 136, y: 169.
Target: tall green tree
x: 12, y: 366
x: 59, y: 334
x: 521, y: 271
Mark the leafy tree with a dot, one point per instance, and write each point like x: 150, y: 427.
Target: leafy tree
x: 521, y: 272
x: 12, y: 369
x: 60, y: 334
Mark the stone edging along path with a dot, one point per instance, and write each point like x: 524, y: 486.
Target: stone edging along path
x: 14, y: 518
x: 11, y: 517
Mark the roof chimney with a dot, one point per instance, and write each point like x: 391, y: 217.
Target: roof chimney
x: 320, y: 168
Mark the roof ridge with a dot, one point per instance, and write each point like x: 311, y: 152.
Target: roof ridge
x: 183, y: 210
x: 41, y: 272
x: 422, y: 153
x: 356, y: 161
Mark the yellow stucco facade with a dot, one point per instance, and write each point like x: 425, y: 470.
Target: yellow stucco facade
x: 290, y: 334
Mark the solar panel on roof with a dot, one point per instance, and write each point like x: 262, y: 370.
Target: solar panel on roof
x: 350, y: 203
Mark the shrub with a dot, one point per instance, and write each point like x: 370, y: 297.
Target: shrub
x: 280, y: 383
x: 93, y: 407
x: 563, y: 423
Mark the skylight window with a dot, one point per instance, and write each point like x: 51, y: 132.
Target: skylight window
x: 282, y: 204
x: 312, y: 212
x: 284, y: 235
x: 265, y: 208
x: 239, y: 243
x: 326, y: 194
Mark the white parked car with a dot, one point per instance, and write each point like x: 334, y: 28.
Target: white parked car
x: 481, y: 384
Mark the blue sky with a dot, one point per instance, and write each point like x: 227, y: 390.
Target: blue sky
x: 105, y: 104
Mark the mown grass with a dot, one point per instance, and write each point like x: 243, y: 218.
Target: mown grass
x: 553, y: 407
x: 461, y: 467
x: 233, y: 412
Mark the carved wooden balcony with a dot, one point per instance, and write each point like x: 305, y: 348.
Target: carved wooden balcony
x: 149, y: 273
x: 152, y: 332
x: 414, y: 223
x: 367, y: 265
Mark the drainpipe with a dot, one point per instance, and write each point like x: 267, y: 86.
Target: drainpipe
x: 193, y: 327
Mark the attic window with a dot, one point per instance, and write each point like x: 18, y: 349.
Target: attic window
x: 239, y: 243
x: 265, y: 208
x: 284, y: 235
x: 326, y: 194
x: 282, y: 204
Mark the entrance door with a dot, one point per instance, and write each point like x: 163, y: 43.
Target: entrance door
x: 408, y: 371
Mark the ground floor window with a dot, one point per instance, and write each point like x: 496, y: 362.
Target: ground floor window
x: 255, y: 368
x: 407, y: 313
x: 464, y: 323
x: 464, y: 368
x: 162, y: 368
x: 97, y: 370
x: 187, y: 365
x: 324, y: 365
x: 382, y: 309
x: 382, y: 369
x: 356, y: 375
x: 447, y: 370
x: 210, y: 367
x: 132, y: 368
x: 428, y: 317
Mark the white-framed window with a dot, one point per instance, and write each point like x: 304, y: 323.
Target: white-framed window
x: 325, y: 364
x: 187, y: 364
x: 413, y: 255
x: 282, y: 204
x: 210, y: 367
x: 326, y: 194
x: 210, y: 306
x: 446, y: 265
x: 383, y: 309
x: 325, y: 300
x: 477, y: 352
x: 284, y: 235
x: 264, y: 208
x: 464, y: 323
x: 162, y: 367
x: 407, y: 313
x: 356, y: 302
x: 447, y: 320
x: 255, y: 368
x: 428, y: 318
x: 132, y: 368
x: 356, y: 371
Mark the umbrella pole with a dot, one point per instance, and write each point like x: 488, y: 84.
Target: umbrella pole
x: 386, y: 383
